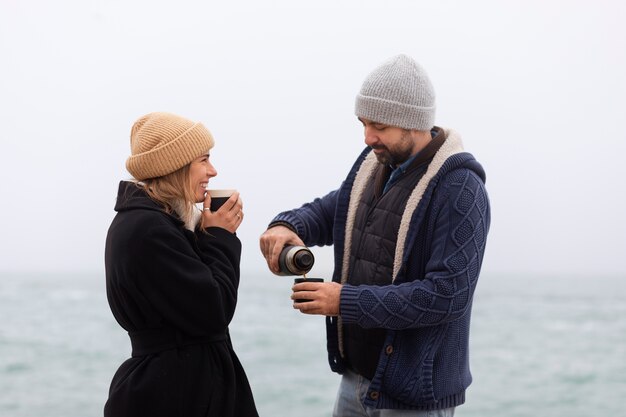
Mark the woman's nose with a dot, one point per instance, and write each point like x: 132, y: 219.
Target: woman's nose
x: 211, y: 171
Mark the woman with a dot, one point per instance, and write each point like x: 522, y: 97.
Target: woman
x: 172, y: 273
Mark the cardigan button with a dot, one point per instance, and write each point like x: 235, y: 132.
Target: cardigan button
x: 389, y: 350
x: 374, y: 395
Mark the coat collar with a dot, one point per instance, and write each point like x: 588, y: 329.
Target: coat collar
x: 132, y: 196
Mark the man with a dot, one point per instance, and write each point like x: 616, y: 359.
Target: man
x: 409, y: 225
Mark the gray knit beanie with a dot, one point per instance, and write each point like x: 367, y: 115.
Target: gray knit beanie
x: 398, y: 93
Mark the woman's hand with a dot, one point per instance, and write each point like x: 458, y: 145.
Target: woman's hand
x: 228, y: 217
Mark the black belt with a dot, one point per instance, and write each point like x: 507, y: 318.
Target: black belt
x: 149, y: 341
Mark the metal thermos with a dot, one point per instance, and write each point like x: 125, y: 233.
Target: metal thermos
x: 295, y: 260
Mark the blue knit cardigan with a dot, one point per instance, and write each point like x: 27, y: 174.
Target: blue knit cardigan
x: 424, y: 363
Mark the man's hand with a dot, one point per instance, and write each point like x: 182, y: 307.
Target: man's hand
x: 272, y: 243
x: 324, y: 297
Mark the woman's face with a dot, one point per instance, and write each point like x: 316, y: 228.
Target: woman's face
x: 200, y: 170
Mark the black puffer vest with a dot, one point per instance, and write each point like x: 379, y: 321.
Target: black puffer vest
x: 373, y: 247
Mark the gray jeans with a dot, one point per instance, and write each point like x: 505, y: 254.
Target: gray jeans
x: 352, y: 390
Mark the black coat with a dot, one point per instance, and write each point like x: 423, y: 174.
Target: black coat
x: 175, y: 292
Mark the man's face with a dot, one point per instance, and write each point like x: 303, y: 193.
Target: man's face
x: 391, y: 145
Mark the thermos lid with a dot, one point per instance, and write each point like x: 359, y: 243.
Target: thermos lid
x: 303, y: 259
x: 295, y: 260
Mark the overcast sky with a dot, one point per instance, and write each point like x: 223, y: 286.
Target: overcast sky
x: 536, y: 89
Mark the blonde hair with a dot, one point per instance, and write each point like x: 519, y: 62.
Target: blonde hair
x: 173, y: 191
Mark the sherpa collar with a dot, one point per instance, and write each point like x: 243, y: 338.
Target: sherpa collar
x: 451, y: 146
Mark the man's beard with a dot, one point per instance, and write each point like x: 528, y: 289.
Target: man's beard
x: 395, y: 157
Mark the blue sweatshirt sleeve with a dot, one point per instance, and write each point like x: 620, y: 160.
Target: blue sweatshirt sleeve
x: 313, y: 222
x: 444, y: 293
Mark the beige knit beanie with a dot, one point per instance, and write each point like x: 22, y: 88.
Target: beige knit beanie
x: 162, y: 143
x: 398, y: 93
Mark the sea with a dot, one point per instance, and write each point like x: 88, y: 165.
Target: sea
x: 540, y: 345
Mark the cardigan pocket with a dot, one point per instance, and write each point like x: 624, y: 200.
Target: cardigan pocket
x: 414, y: 387
x: 408, y: 376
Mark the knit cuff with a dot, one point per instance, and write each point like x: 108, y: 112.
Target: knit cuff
x: 282, y: 223
x: 348, y: 304
x: 287, y: 219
